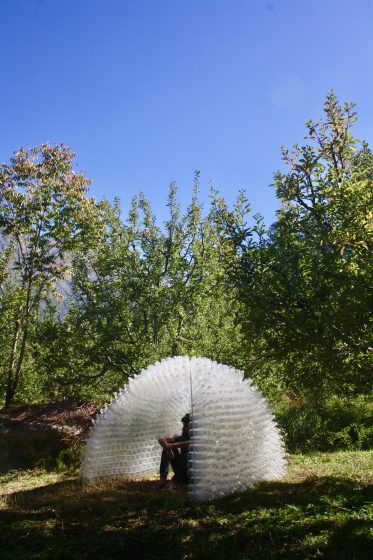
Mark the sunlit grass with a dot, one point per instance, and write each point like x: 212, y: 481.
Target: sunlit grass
x: 322, y: 508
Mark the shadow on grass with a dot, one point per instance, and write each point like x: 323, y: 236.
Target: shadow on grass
x: 322, y: 517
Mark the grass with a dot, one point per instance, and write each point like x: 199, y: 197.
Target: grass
x: 321, y: 509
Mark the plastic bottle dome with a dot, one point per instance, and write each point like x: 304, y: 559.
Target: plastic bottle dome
x: 235, y: 441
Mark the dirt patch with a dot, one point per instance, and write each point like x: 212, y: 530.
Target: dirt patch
x: 72, y: 417
x: 29, y: 433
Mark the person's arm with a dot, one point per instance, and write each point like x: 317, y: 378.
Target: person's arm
x: 184, y: 443
x: 164, y: 441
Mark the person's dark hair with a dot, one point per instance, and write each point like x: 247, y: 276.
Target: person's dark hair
x: 186, y: 418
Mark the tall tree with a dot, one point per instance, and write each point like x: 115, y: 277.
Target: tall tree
x: 44, y: 214
x: 307, y: 285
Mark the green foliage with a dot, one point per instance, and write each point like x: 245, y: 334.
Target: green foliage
x: 306, y: 285
x: 44, y: 214
x: 141, y: 293
x: 290, y: 305
x: 69, y: 460
x: 336, y: 424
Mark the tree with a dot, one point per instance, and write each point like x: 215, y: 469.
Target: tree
x: 142, y: 293
x: 44, y: 215
x: 307, y: 285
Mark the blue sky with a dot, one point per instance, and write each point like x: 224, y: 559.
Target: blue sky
x: 147, y: 91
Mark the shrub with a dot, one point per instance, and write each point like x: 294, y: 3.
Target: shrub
x: 337, y: 424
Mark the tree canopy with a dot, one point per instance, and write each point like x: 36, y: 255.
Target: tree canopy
x: 289, y: 303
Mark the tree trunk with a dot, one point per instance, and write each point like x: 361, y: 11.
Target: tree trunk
x: 9, y: 392
x: 15, y: 366
x: 176, y: 342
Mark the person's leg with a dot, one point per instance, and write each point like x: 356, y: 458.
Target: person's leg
x: 175, y: 460
x: 166, y: 461
x: 164, y: 465
x: 181, y: 470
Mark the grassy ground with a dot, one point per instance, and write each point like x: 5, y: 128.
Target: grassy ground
x: 321, y: 509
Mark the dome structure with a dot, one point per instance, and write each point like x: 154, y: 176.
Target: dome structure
x: 235, y: 441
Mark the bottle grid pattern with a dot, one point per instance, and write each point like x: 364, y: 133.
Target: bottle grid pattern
x: 235, y: 441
